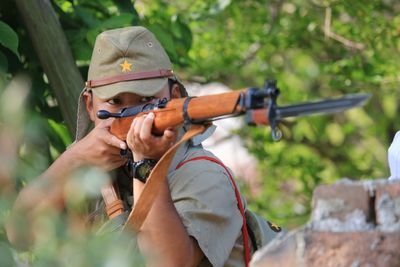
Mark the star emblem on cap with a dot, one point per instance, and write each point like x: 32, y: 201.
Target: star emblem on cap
x: 126, y: 66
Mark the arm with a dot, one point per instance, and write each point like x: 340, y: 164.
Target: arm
x: 98, y: 148
x: 163, y: 238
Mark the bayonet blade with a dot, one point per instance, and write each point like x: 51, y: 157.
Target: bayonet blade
x: 321, y: 107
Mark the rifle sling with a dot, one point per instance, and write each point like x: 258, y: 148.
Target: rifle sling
x: 113, y: 203
x: 112, y: 200
x: 153, y: 185
x: 155, y: 181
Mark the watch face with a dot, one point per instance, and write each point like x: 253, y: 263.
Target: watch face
x: 143, y: 170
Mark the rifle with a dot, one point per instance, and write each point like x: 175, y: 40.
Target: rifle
x: 258, y: 105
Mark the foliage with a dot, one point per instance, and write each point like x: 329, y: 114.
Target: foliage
x: 313, y: 48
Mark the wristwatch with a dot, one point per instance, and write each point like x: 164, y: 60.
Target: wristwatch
x: 141, y: 169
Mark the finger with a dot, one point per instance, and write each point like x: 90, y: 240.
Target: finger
x: 133, y: 133
x: 130, y: 136
x: 137, y: 128
x: 105, y: 123
x: 114, y: 141
x: 115, y: 152
x: 169, y: 135
x: 147, y: 125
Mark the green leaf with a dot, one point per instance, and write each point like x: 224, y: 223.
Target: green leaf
x: 166, y: 40
x: 126, y: 6
x: 3, y: 63
x: 9, y: 38
x: 124, y: 19
x: 87, y: 16
x: 183, y: 32
x: 58, y: 135
x: 114, y: 22
x: 91, y: 35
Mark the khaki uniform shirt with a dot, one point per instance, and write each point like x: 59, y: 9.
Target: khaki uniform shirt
x: 204, y: 198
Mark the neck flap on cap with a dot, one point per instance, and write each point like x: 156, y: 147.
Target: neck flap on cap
x: 83, y: 122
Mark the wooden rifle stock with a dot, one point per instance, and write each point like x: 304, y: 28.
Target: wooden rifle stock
x: 199, y: 109
x: 258, y: 105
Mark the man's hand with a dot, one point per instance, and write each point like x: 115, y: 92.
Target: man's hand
x: 146, y: 145
x: 100, y: 148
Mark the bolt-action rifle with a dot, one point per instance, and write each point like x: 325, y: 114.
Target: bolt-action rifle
x: 258, y: 105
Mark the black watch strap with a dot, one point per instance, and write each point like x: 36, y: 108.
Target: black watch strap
x: 141, y: 169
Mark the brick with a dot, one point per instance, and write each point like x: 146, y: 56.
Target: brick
x: 306, y: 248
x: 281, y: 252
x: 354, y: 224
x: 338, y: 201
x: 372, y: 249
x: 387, y: 206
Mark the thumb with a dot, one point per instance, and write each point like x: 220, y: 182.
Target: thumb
x: 105, y: 123
x: 108, y: 137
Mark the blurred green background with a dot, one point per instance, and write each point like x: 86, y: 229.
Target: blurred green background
x: 313, y: 48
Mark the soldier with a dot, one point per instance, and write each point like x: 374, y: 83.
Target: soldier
x: 195, y: 220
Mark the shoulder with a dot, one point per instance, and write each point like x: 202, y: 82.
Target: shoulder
x: 204, y: 198
x: 200, y: 157
x: 201, y: 173
x: 198, y: 161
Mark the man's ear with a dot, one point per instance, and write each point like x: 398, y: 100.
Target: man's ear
x: 88, y: 98
x: 175, y: 91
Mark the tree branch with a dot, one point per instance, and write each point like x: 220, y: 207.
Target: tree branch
x: 329, y: 34
x: 55, y: 55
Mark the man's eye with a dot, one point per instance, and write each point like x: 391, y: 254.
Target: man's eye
x: 114, y: 101
x: 146, y: 99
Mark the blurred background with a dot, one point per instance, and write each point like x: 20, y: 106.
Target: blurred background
x: 313, y: 48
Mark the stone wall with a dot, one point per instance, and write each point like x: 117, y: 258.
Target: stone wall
x: 353, y: 224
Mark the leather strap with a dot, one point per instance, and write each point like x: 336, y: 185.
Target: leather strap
x: 130, y: 77
x: 114, y: 205
x: 154, y: 182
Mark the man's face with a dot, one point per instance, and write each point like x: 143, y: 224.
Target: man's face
x: 118, y: 102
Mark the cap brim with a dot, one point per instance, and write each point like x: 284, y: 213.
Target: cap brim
x: 148, y: 87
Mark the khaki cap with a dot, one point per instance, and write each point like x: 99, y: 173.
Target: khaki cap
x: 124, y: 60
x: 128, y: 60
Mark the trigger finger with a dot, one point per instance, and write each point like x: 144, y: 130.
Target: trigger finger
x: 145, y: 131
x: 169, y: 134
x: 114, y: 141
x: 137, y: 125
